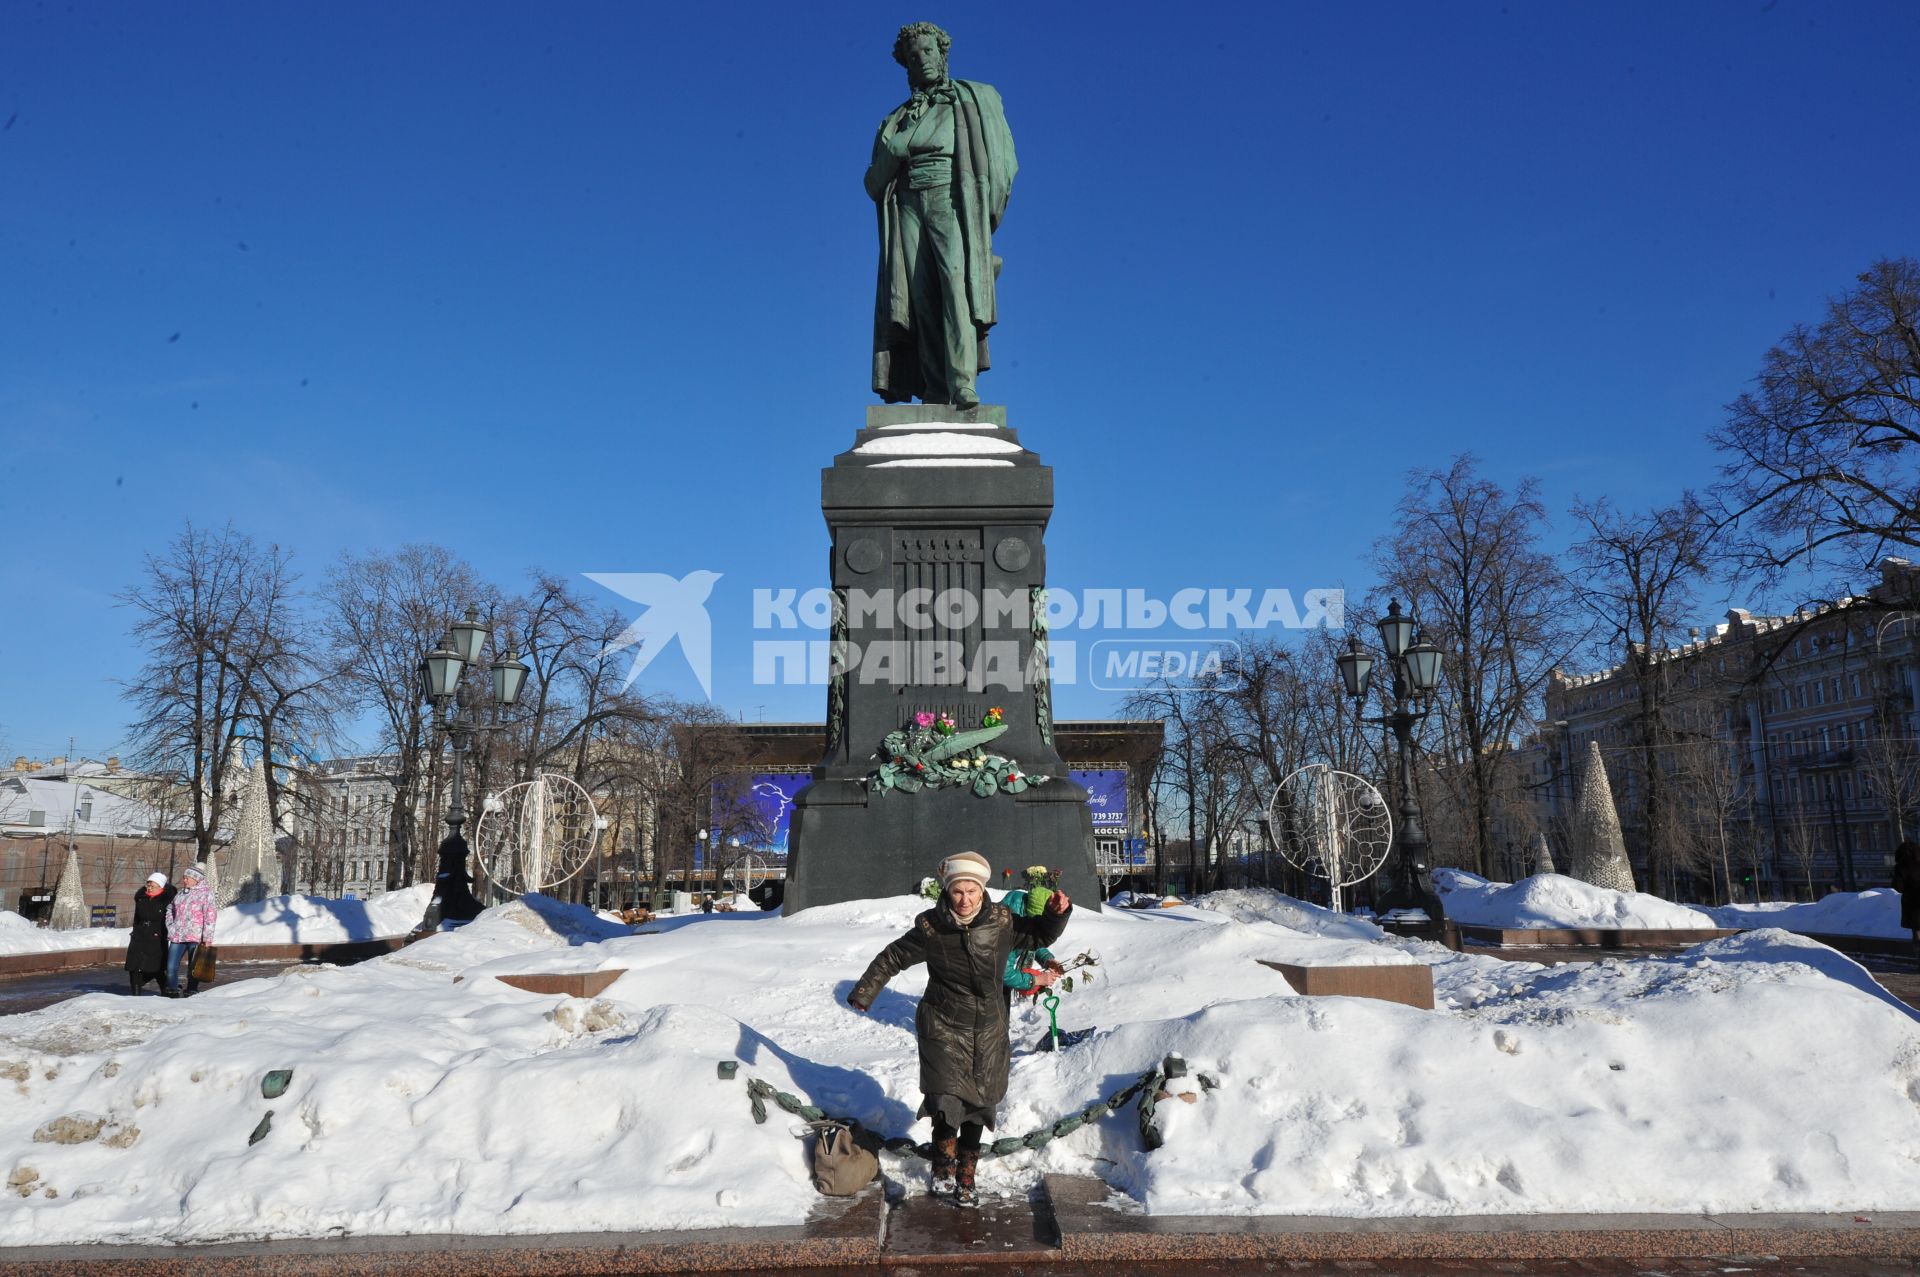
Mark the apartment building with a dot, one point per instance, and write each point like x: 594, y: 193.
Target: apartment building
x: 1815, y: 714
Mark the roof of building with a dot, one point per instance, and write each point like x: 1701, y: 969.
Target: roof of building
x: 29, y: 804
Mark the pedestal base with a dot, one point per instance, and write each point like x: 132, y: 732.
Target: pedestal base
x: 849, y: 844
x: 938, y: 519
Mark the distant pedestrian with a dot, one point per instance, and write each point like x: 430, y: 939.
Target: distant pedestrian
x: 706, y: 903
x: 190, y: 920
x: 147, y: 946
x: 962, y: 1021
x: 453, y: 885
x: 1906, y: 881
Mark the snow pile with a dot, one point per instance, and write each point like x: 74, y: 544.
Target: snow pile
x: 1554, y: 900
x: 19, y: 935
x: 1758, y: 1073
x: 1842, y: 913
x: 1259, y: 904
x: 279, y: 920
x: 320, y: 920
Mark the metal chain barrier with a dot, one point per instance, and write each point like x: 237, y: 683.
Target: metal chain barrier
x: 759, y: 1092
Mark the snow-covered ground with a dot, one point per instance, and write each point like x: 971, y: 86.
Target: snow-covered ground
x: 1552, y: 900
x: 1762, y: 1072
x: 1841, y: 913
x: 280, y: 920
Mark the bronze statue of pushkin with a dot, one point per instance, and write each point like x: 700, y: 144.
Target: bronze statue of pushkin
x: 943, y: 167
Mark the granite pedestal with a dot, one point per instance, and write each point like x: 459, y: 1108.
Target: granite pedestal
x: 938, y: 563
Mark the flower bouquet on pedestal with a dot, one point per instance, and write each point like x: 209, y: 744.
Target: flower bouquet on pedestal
x: 934, y: 752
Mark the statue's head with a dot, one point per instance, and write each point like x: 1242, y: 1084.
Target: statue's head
x: 921, y: 48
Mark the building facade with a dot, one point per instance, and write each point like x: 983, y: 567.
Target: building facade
x: 49, y: 808
x: 1796, y: 732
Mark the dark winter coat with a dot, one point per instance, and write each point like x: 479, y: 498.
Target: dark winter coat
x: 147, y: 946
x: 1906, y: 881
x: 962, y: 1020
x: 451, y: 882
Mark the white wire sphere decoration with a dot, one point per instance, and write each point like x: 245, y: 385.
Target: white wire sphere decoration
x: 746, y: 873
x: 535, y: 835
x: 1331, y: 824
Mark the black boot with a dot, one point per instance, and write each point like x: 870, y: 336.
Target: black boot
x: 134, y: 981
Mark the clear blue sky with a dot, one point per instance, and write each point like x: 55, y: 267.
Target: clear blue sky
x: 589, y: 286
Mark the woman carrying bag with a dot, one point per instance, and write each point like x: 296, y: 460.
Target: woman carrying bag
x: 190, y: 921
x: 962, y: 1021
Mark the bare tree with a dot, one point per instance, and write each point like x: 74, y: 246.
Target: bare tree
x: 1201, y: 775
x: 1818, y: 456
x: 1711, y: 790
x: 1465, y: 553
x: 383, y: 614
x: 1283, y: 707
x: 687, y: 747
x: 225, y: 663
x: 1800, y: 837
x: 1637, y: 581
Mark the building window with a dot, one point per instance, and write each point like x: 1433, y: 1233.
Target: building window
x: 1819, y: 692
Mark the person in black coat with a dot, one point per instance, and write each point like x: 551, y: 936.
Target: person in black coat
x: 1906, y: 881
x: 147, y: 946
x: 453, y: 898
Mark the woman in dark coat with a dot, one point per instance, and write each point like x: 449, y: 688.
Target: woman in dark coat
x: 962, y: 1020
x: 1906, y: 881
x: 147, y: 946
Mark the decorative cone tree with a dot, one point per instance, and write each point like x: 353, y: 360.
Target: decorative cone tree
x: 251, y: 854
x: 1542, y: 855
x: 1599, y: 851
x: 69, y: 900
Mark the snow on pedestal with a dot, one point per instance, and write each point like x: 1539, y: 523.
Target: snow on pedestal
x: 1599, y: 851
x: 1542, y: 855
x: 69, y: 901
x: 251, y: 854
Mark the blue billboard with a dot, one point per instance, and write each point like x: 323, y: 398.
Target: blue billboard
x: 1106, y: 797
x: 757, y: 809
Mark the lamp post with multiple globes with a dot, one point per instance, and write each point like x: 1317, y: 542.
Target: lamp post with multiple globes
x: 1415, y: 666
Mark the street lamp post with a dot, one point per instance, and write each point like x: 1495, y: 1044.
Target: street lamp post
x: 453, y: 711
x: 1415, y: 666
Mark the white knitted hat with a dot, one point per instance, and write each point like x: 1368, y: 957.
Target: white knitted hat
x: 964, y: 864
x: 159, y: 879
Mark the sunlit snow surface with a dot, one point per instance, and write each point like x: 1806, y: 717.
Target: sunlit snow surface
x: 1758, y: 1073
x: 279, y: 920
x: 1553, y: 900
